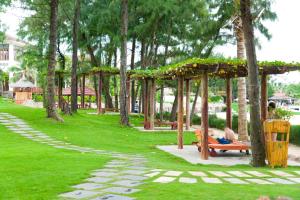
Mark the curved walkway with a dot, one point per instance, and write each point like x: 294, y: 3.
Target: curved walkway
x: 124, y: 174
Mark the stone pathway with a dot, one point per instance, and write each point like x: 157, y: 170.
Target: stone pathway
x: 123, y: 175
x: 231, y: 177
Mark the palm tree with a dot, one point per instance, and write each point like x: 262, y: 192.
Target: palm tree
x: 51, y: 110
x: 23, y: 71
x: 262, y: 11
x: 75, y: 56
x: 124, y: 27
x: 258, y: 152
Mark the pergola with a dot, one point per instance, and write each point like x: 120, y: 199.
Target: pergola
x: 197, y: 68
x: 223, y: 68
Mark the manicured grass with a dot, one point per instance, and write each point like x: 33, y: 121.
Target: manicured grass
x: 29, y: 170
x: 104, y: 132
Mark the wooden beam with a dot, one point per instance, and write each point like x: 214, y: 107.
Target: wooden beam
x: 152, y: 92
x: 180, y: 113
x: 100, y: 111
x: 264, y: 97
x: 187, y: 104
x: 204, y: 116
x: 228, y: 103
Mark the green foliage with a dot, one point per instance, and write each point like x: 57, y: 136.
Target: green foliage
x: 293, y: 90
x: 215, y: 99
x: 106, y: 70
x: 295, y: 135
x: 281, y: 113
x: 37, y: 97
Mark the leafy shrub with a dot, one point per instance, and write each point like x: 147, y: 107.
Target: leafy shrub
x: 215, y: 99
x: 281, y: 113
x: 295, y: 135
x: 215, y: 122
x: 37, y: 97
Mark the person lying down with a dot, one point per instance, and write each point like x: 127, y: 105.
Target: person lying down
x: 228, y: 138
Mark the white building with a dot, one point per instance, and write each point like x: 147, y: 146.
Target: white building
x: 10, y: 49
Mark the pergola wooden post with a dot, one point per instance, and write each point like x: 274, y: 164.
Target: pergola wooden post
x: 83, y: 92
x: 128, y: 94
x: 100, y: 111
x: 204, y: 116
x: 152, y: 90
x: 180, y: 112
x: 146, y: 105
x: 264, y: 97
x: 187, y: 103
x: 228, y: 103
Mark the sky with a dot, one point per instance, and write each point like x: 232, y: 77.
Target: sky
x: 284, y: 44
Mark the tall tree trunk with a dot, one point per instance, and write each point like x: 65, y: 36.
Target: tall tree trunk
x: 94, y: 63
x: 106, y: 92
x: 75, y: 56
x: 143, y: 66
x: 195, y: 101
x: 256, y: 135
x: 83, y: 91
x: 115, y: 82
x: 132, y: 68
x: 106, y: 84
x: 51, y: 111
x: 123, y: 77
x: 174, y: 108
x: 242, y: 103
x: 60, y: 75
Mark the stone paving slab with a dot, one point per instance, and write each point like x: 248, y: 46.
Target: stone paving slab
x: 235, y: 181
x: 138, y: 167
x: 296, y: 180
x: 152, y: 174
x: 133, y: 177
x: 280, y: 181
x: 160, y: 170
x: 80, y: 194
x: 197, y: 173
x: 164, y: 179
x: 88, y: 186
x: 281, y: 173
x: 127, y: 183
x: 187, y: 180
x: 297, y: 172
x: 134, y: 172
x: 113, y: 197
x: 105, y: 174
x: 211, y: 180
x: 121, y: 190
x: 173, y: 173
x: 219, y: 174
x: 99, y: 179
x: 238, y: 174
x: 258, y: 181
x: 258, y: 174
x: 106, y: 170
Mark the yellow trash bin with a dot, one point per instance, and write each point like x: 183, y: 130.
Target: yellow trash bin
x: 277, y: 134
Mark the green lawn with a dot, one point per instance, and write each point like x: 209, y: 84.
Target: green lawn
x: 30, y: 170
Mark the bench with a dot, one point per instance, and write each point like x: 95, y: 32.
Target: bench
x: 161, y: 123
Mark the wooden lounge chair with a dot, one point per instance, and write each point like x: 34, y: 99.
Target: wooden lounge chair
x: 214, y: 144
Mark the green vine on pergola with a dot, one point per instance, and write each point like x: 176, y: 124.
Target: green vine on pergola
x: 194, y: 67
